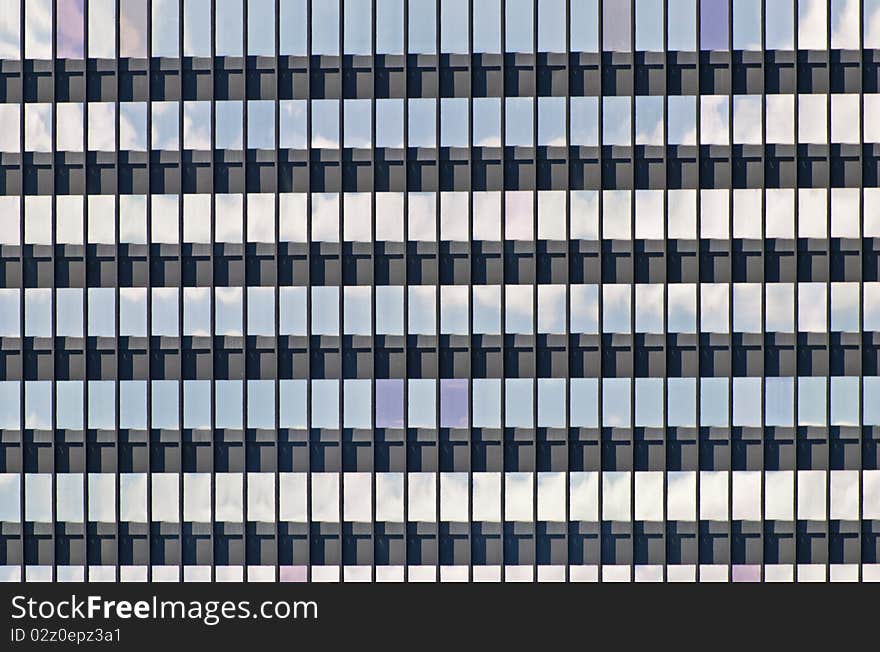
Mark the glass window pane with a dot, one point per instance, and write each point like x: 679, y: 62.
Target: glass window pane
x: 453, y: 122
x: 616, y: 121
x: 38, y: 29
x: 551, y: 25
x: 133, y: 126
x: 422, y: 26
x: 487, y: 26
x: 518, y: 26
x: 10, y: 29
x: 714, y: 24
x: 69, y: 31
x: 616, y: 402
x: 747, y: 24
x: 261, y: 124
x: 389, y: 403
x: 454, y: 403
x: 812, y: 24
x: 261, y: 27
x: 682, y: 24
x: 325, y: 27
x: 293, y: 124
x: 649, y: 25
x: 292, y: 25
x: 649, y: 120
x: 551, y: 121
x: 10, y: 118
x: 422, y: 128
x: 229, y: 35
x: 133, y: 28
x: 389, y: 26
x: 101, y: 312
x: 487, y: 122
x: 196, y: 30
x: 102, y: 29
x: 616, y: 23
x: 584, y: 402
x: 165, y: 33
x: 779, y: 25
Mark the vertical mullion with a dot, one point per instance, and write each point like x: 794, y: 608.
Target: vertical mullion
x: 180, y: 152
x: 828, y: 296
x: 535, y: 423
x: 699, y: 242
x: 373, y: 247
x: 567, y: 316
x: 470, y: 327
x: 861, y: 307
x: 600, y: 342
x: 54, y: 345
x: 116, y: 456
x: 85, y: 285
x: 503, y: 283
x: 54, y: 398
x: 341, y: 290
x: 276, y: 293
x: 149, y: 294
x: 796, y: 380
x: 406, y: 292
x: 244, y: 290
x: 85, y: 303
x: 21, y: 297
x: 632, y: 291
x: 212, y: 310
x: 437, y: 309
x: 730, y: 286
x: 308, y: 19
x: 665, y: 407
x: 763, y: 314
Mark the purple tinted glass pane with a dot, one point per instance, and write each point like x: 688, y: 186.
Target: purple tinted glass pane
x: 713, y: 25
x: 389, y: 403
x: 293, y: 573
x: 70, y: 29
x: 616, y: 23
x: 133, y: 28
x: 454, y: 403
x: 743, y: 573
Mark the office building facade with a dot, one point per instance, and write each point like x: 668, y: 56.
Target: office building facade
x: 439, y: 290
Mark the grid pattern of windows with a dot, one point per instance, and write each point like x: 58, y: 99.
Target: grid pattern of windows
x: 440, y: 290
